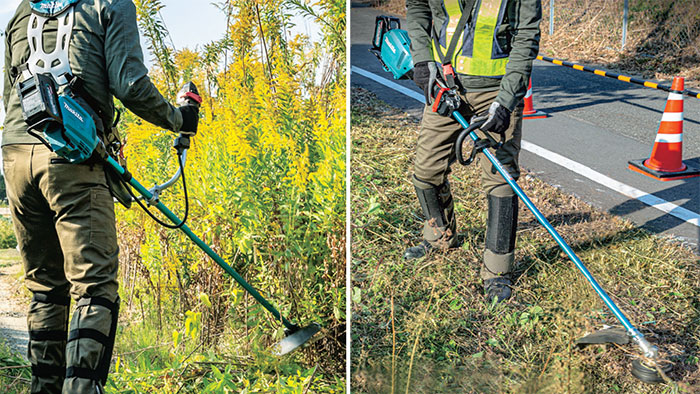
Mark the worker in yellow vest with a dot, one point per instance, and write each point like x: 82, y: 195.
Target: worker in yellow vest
x: 484, y: 49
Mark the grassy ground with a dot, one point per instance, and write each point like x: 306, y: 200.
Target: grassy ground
x: 14, y: 375
x: 423, y: 326
x: 149, y: 359
x: 7, y: 234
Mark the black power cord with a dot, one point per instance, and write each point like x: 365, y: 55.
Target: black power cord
x: 148, y: 211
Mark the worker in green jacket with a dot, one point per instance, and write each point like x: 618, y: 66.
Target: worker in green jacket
x: 63, y: 213
x: 485, y: 50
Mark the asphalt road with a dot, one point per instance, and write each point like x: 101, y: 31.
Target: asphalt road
x: 598, y: 122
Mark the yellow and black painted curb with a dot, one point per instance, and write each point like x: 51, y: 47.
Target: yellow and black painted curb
x: 617, y: 76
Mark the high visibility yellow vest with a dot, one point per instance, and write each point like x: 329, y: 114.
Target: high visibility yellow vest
x: 479, y: 54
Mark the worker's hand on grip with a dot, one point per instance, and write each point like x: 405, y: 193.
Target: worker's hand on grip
x: 190, y: 119
x: 189, y: 100
x: 426, y: 76
x: 496, y: 119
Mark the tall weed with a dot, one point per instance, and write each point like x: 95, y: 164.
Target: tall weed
x: 265, y: 181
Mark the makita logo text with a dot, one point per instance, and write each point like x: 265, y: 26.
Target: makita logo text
x: 50, y: 4
x: 387, y: 42
x: 74, y: 112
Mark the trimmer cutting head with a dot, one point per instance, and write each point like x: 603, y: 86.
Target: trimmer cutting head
x: 295, y: 338
x: 643, y: 370
x: 648, y: 373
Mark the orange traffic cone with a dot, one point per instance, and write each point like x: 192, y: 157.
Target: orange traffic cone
x: 666, y: 161
x: 529, y: 112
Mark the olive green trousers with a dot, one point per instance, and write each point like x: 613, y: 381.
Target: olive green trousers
x: 435, y: 153
x: 63, y: 217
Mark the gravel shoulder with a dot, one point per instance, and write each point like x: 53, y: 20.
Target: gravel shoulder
x: 13, y: 306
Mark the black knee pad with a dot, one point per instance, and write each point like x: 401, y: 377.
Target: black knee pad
x: 85, y: 332
x: 46, y: 348
x: 502, y: 223
x: 433, y: 200
x: 51, y: 297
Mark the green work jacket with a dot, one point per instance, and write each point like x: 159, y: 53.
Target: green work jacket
x: 104, y: 52
x: 517, y: 35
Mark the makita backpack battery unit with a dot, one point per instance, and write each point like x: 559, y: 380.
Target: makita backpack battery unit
x: 77, y: 139
x: 67, y: 127
x: 391, y: 45
x: 39, y: 98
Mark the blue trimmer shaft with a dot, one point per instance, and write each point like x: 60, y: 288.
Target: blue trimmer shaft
x: 229, y: 270
x: 637, y: 336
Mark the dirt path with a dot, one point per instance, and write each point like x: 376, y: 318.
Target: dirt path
x: 13, y: 307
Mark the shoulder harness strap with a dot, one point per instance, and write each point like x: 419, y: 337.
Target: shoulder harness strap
x: 446, y: 58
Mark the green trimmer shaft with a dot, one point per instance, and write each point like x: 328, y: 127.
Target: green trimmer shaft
x: 295, y: 336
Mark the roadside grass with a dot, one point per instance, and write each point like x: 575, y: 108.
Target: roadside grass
x: 423, y: 326
x: 14, y: 378
x: 149, y: 358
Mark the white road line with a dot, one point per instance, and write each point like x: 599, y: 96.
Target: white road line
x: 626, y: 190
x: 389, y: 84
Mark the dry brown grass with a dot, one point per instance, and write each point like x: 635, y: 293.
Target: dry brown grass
x: 663, y: 38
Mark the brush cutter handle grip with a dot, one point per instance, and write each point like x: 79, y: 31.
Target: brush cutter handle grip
x: 182, y: 142
x: 189, y: 95
x: 189, y: 101
x: 460, y: 141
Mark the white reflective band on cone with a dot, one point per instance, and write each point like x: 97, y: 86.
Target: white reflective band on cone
x: 669, y: 137
x: 675, y: 96
x: 672, y: 117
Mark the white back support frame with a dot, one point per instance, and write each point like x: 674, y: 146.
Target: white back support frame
x: 56, y: 62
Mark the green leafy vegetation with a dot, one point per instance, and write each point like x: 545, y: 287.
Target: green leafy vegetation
x: 265, y: 177
x: 14, y: 373
x: 7, y: 234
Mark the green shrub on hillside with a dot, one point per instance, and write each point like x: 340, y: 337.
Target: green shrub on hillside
x: 7, y: 234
